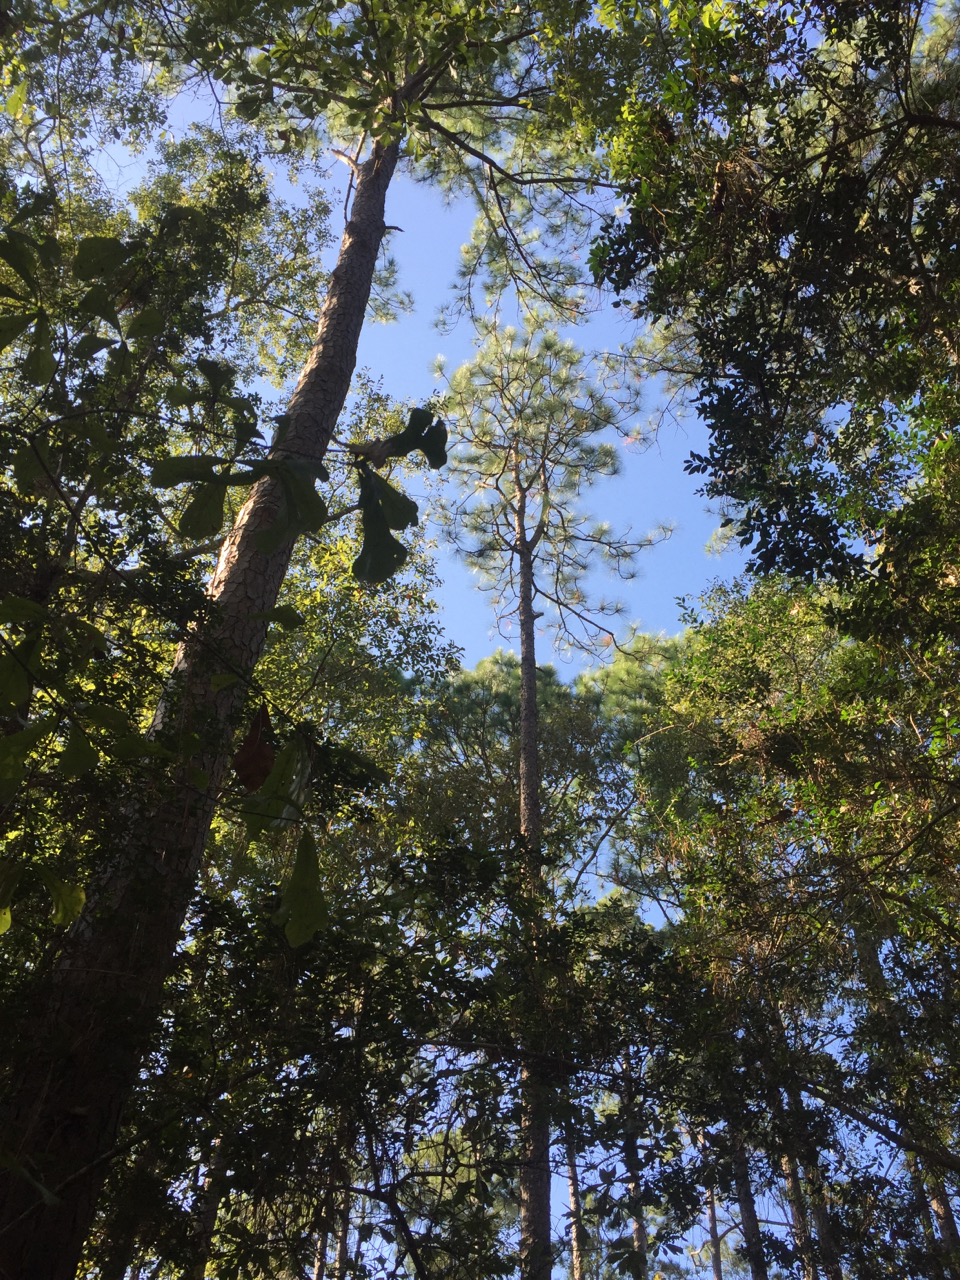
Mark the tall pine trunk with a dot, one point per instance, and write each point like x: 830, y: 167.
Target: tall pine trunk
x: 536, y: 1093
x: 96, y: 1005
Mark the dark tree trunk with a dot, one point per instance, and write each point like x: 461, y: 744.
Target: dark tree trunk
x: 97, y: 1004
x: 750, y: 1228
x: 799, y: 1216
x: 632, y: 1163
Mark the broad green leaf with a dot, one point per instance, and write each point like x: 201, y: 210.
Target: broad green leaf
x: 68, y: 899
x: 11, y: 328
x: 16, y: 101
x: 422, y: 432
x: 98, y: 302
x: 15, y: 250
x: 15, y: 749
x: 106, y: 717
x: 399, y: 511
x: 381, y: 555
x: 17, y: 672
x: 281, y: 799
x: 79, y: 756
x: 286, y: 615
x: 99, y: 256
x: 19, y: 609
x: 303, y: 910
x: 217, y: 374
x: 309, y: 510
x: 39, y: 364
x: 169, y: 472
x: 135, y: 746
x: 146, y: 324
x: 204, y: 514
x: 10, y: 873
x: 89, y: 345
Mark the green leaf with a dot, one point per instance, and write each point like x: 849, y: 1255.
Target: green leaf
x: 10, y: 873
x: 203, y: 516
x: 98, y: 302
x: 39, y: 364
x: 17, y: 672
x: 15, y: 749
x: 286, y: 615
x: 135, y: 746
x: 308, y: 509
x: 15, y: 250
x: 216, y: 373
x: 399, y: 511
x: 169, y: 472
x: 281, y: 799
x: 89, y: 345
x: 422, y: 432
x: 99, y: 256
x: 79, y: 756
x: 68, y: 899
x: 16, y: 101
x: 303, y: 909
x: 146, y: 324
x: 107, y: 717
x: 11, y: 328
x: 381, y: 555
x: 19, y: 609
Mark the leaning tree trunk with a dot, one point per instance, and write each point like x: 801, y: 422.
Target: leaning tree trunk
x: 536, y: 1092
x: 97, y: 1004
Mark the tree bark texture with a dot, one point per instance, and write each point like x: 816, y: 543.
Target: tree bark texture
x: 799, y: 1216
x: 97, y: 1003
x: 750, y: 1227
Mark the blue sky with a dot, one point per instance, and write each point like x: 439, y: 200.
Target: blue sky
x: 652, y: 489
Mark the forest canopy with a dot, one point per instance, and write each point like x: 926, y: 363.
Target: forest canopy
x: 326, y: 956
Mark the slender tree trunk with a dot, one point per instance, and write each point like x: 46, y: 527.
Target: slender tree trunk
x: 717, y: 1271
x: 632, y: 1163
x: 207, y: 1209
x: 536, y: 1094
x: 343, y: 1239
x: 943, y: 1212
x: 750, y: 1228
x: 97, y: 1004
x: 799, y: 1216
x: 579, y: 1240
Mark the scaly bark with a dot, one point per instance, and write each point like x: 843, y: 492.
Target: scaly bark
x: 97, y: 1003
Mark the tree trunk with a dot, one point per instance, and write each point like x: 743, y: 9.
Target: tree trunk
x: 632, y: 1163
x: 943, y: 1212
x: 536, y: 1095
x: 97, y: 1003
x: 717, y: 1271
x: 579, y: 1240
x: 799, y: 1216
x: 750, y: 1228
x: 206, y: 1210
